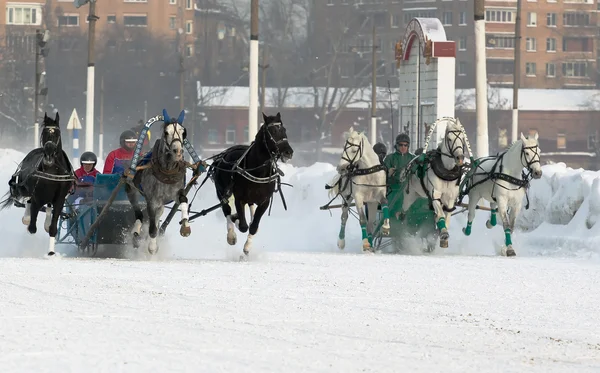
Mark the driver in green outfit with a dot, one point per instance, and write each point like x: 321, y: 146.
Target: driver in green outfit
x: 395, y: 164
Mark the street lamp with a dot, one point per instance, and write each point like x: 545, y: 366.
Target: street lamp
x: 41, y: 49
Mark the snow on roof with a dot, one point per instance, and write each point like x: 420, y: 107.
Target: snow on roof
x: 432, y: 28
x: 534, y: 99
x: 498, y: 98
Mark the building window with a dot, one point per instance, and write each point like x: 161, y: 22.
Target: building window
x: 68, y: 20
x: 500, y: 16
x: 172, y: 22
x: 500, y: 67
x: 447, y: 19
x: 188, y: 4
x: 462, y: 18
x: 550, y: 45
x: 213, y: 136
x: 189, y: 27
x: 172, y: 2
x: 462, y: 68
x: 499, y: 42
x: 136, y: 20
x: 591, y: 141
x: 531, y: 19
x: 111, y: 19
x: 24, y: 14
x: 577, y: 44
x: 561, y: 141
x: 462, y: 43
x: 530, y: 68
x: 551, y: 19
x: 576, y: 19
x: 230, y: 135
x: 574, y: 69
x: 550, y: 70
x: 394, y: 21
x: 530, y: 44
x: 189, y: 50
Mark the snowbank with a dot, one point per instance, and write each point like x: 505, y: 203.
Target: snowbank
x: 562, y: 219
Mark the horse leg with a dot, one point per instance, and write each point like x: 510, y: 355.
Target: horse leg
x: 185, y: 229
x: 132, y: 195
x: 360, y: 208
x: 48, y: 220
x: 514, y: 213
x: 53, y: 228
x: 260, y: 210
x: 231, y: 236
x: 252, y: 212
x: 27, y: 215
x: 34, y: 210
x: 154, y: 213
x: 385, y: 228
x: 440, y: 218
x: 492, y: 220
x: 342, y: 234
x: 240, y: 209
x: 507, y: 249
x: 472, y: 211
x: 409, y: 199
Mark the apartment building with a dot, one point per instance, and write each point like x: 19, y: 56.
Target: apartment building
x: 558, y: 47
x: 161, y: 17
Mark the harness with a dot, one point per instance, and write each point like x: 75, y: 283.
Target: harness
x: 496, y: 173
x: 351, y: 171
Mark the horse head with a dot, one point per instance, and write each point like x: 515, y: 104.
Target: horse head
x: 173, y: 135
x: 530, y: 155
x: 51, y: 138
x: 273, y: 134
x: 356, y: 147
x: 455, y: 142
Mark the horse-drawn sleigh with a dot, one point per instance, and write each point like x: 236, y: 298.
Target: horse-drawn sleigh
x: 433, y: 184
x: 107, y: 213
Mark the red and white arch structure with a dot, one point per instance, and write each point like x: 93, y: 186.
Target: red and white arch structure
x: 426, y: 69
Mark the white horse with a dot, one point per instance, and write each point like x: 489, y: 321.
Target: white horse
x: 436, y: 176
x: 501, y: 181
x: 361, y: 177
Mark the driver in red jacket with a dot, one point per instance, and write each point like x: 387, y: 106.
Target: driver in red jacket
x: 119, y: 159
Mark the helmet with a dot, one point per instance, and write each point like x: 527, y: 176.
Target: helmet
x: 380, y: 148
x: 402, y: 138
x: 127, y: 136
x: 88, y: 158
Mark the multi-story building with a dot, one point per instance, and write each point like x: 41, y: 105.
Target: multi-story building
x: 558, y: 43
x: 558, y: 47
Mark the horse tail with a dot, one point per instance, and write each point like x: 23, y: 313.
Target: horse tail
x: 8, y: 201
x: 334, y: 186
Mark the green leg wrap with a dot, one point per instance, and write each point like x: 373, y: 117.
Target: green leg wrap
x: 468, y: 228
x: 386, y: 211
x: 364, y: 231
x: 370, y: 238
x: 507, y: 238
x: 493, y: 217
x: 441, y: 224
x: 342, y: 234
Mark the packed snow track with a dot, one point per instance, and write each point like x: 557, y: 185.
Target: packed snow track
x: 301, y: 312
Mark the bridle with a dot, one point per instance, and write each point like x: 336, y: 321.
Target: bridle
x: 276, y: 143
x: 176, y: 136
x: 452, y: 145
x: 359, y: 153
x: 527, y: 163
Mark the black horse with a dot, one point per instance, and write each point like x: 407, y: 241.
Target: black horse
x: 44, y: 178
x: 250, y: 174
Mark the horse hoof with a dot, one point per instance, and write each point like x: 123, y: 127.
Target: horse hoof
x: 136, y: 240
x: 51, y: 253
x: 243, y: 258
x: 444, y: 236
x: 508, y: 251
x: 489, y: 225
x: 26, y: 220
x: 444, y: 243
x: 185, y: 231
x: 341, y: 244
x: 32, y: 230
x: 231, y: 239
x: 152, y: 249
x: 385, y: 231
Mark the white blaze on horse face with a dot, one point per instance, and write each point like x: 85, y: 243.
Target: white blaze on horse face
x: 174, y: 139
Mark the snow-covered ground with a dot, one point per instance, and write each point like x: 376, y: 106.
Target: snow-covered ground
x: 301, y: 305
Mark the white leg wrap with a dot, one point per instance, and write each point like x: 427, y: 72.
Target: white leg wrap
x: 52, y: 245
x: 231, y: 236
x: 137, y: 227
x: 27, y: 215
x: 48, y: 219
x: 248, y: 244
x: 185, y: 215
x: 252, y: 209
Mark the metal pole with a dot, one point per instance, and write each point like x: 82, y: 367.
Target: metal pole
x: 145, y: 110
x: 264, y: 67
x: 36, y: 125
x: 481, y: 80
x: 414, y: 144
x: 101, y: 134
x: 253, y: 70
x: 89, y: 108
x: 374, y: 87
x: 181, y: 57
x: 517, y: 75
